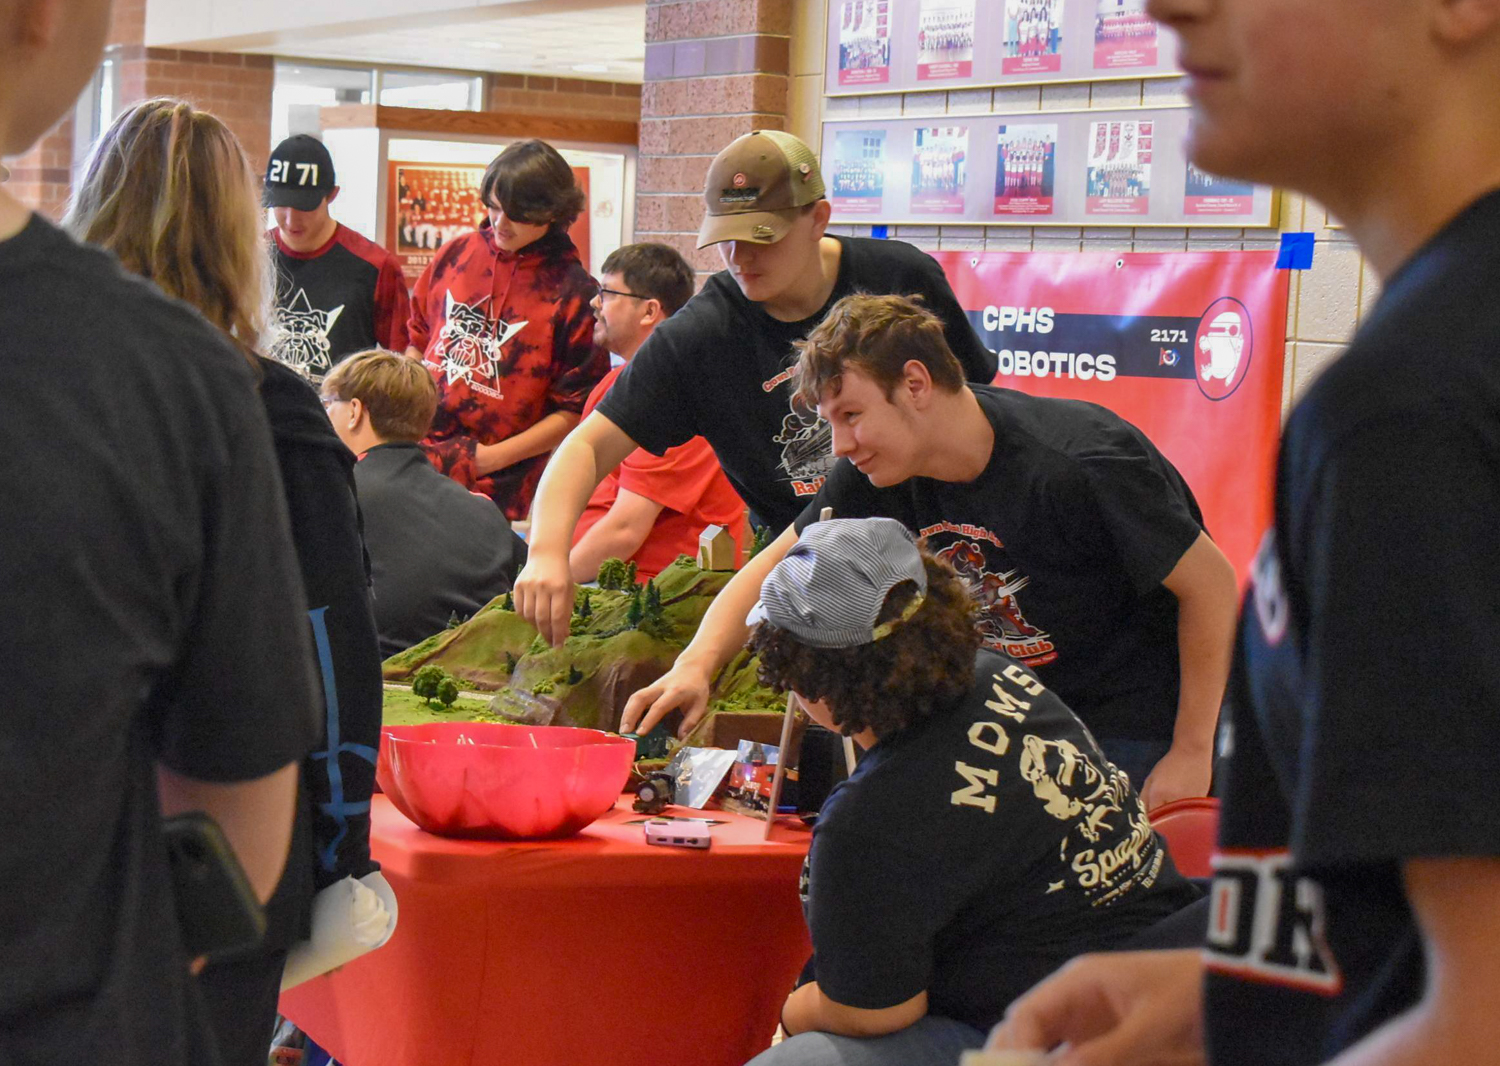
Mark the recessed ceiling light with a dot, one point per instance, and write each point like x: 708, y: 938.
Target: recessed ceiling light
x: 591, y: 68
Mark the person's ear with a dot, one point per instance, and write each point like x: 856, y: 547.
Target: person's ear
x: 916, y: 382
x: 652, y: 312
x: 358, y: 414
x: 333, y: 194
x: 1465, y: 22
x: 822, y: 212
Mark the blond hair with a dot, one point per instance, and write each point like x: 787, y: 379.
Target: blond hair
x: 397, y: 391
x: 169, y: 191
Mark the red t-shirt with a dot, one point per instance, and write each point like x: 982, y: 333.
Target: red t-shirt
x: 686, y: 481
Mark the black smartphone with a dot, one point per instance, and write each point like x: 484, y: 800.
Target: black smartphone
x: 216, y: 906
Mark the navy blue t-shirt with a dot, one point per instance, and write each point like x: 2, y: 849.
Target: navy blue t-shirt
x: 972, y: 854
x: 1364, y: 728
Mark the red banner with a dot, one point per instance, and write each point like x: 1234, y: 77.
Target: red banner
x: 1187, y: 346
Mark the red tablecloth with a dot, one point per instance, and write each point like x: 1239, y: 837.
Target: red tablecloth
x: 598, y: 950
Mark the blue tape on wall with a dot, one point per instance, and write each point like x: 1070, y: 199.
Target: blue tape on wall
x: 1296, y: 252
x: 880, y: 233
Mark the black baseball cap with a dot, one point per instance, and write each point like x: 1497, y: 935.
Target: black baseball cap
x: 300, y: 174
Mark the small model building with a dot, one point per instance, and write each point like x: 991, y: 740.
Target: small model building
x: 716, y: 549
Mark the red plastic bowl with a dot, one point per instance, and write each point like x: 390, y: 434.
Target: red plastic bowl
x: 511, y: 783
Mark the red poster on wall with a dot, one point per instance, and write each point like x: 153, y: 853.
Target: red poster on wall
x: 429, y: 204
x: 1187, y: 346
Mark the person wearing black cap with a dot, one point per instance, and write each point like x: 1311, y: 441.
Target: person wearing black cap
x: 336, y: 292
x: 983, y: 839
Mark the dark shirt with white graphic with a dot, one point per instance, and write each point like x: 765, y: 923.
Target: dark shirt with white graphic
x: 721, y: 368
x: 1064, y: 540
x: 152, y: 615
x: 346, y: 297
x: 972, y: 854
x: 1364, y: 693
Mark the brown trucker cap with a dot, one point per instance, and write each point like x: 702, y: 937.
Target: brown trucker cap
x: 755, y: 186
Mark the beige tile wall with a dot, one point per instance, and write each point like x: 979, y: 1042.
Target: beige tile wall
x: 1327, y: 301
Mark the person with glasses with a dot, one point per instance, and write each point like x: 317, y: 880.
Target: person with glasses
x: 502, y: 317
x: 651, y: 509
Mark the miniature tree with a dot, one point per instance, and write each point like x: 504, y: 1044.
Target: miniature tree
x: 612, y: 574
x: 454, y: 621
x: 629, y: 582
x: 447, y: 691
x: 575, y: 675
x: 425, y: 682
x: 759, y: 541
x: 653, y: 599
x: 585, y: 606
x: 508, y: 603
x: 636, y: 611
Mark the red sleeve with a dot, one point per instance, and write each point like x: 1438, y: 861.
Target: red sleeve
x: 418, y: 332
x: 677, y: 480
x: 392, y: 307
x: 578, y: 363
x: 455, y: 458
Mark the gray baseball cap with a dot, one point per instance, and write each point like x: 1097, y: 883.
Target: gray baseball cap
x: 830, y: 588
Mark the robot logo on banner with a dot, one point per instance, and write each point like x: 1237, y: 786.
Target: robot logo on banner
x: 1223, y: 347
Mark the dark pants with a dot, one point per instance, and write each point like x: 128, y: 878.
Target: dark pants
x: 240, y: 997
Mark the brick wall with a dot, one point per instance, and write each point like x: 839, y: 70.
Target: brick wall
x: 236, y: 88
x: 715, y: 69
x: 529, y: 94
x: 41, y: 178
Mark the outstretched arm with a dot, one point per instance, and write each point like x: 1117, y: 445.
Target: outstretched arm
x: 544, y: 589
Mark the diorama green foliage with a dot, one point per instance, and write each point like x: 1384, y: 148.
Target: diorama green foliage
x: 575, y: 675
x: 612, y: 574
x: 760, y: 540
x: 636, y: 611
x: 508, y: 603
x: 544, y: 686
x: 435, y: 685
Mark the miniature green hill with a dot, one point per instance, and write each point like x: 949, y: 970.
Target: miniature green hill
x: 616, y: 648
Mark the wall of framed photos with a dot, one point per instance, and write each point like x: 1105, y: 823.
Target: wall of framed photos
x: 1057, y: 168
x: 914, y: 45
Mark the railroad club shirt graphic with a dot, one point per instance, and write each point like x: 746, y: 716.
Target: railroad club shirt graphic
x: 806, y: 440
x: 1002, y: 624
x: 470, y: 345
x: 299, y: 336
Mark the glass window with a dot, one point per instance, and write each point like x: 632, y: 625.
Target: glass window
x: 440, y: 92
x: 301, y: 90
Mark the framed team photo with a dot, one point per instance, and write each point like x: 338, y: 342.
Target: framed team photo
x: 1119, y: 170
x: 939, y: 169
x: 1209, y: 194
x: 858, y: 175
x: 429, y: 205
x: 1025, y: 169
x: 1033, y: 36
x: 1124, y: 35
x: 864, y: 42
x: 945, y: 40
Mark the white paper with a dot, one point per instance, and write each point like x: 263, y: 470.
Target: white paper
x: 349, y: 918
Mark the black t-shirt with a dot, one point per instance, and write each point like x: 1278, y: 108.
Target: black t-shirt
x: 721, y: 368
x: 436, y: 549
x: 1364, y: 695
x: 346, y: 297
x: 972, y: 854
x: 151, y: 612
x: 1064, y: 540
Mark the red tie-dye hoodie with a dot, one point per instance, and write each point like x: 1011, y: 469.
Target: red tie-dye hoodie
x: 509, y: 337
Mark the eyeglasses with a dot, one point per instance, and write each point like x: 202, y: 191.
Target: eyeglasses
x: 617, y: 292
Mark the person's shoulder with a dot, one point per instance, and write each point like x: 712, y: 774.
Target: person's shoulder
x: 294, y: 409
x: 372, y: 253
x: 875, y: 254
x: 145, y: 332
x: 711, y: 317
x: 1077, y: 429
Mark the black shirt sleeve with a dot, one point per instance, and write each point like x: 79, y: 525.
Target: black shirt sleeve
x: 242, y: 699
x: 873, y: 920
x: 1401, y: 520
x: 1143, y: 515
x: 979, y: 362
x: 651, y: 400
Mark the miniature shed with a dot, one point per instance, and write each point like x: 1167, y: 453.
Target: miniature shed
x: 716, y: 549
